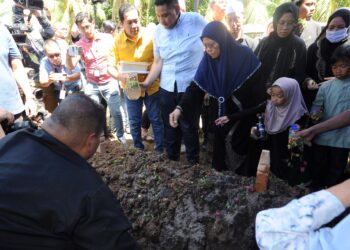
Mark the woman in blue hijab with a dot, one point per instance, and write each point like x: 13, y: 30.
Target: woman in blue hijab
x: 226, y: 75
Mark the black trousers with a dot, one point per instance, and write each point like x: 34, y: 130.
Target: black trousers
x: 327, y: 165
x: 173, y: 136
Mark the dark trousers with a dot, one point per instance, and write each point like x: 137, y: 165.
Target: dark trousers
x: 327, y: 165
x: 219, y: 148
x: 145, y: 123
x: 173, y: 136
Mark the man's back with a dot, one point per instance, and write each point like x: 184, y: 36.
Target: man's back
x: 51, y: 198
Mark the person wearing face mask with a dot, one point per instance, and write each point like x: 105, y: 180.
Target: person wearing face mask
x: 318, y: 66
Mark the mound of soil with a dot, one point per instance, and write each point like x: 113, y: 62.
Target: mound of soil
x: 176, y: 206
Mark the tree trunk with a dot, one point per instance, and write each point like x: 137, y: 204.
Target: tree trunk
x: 195, y: 5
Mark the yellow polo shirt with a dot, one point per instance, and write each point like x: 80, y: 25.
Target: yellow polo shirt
x: 140, y: 50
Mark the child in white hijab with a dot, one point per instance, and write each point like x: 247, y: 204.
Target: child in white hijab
x: 285, y: 108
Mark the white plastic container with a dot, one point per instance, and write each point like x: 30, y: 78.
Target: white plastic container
x: 134, y: 67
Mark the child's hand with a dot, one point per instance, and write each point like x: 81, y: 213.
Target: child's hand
x: 307, y: 134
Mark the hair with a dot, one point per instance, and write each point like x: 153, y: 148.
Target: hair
x: 283, y: 9
x: 124, y: 8
x: 57, y: 25
x: 168, y: 3
x: 79, y: 18
x: 51, y: 42
x: 342, y: 53
x: 298, y: 2
x: 80, y: 115
x: 108, y: 26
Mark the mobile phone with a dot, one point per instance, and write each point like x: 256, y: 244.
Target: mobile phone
x: 75, y: 51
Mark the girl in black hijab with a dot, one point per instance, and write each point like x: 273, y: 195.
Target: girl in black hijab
x: 318, y: 67
x: 282, y: 53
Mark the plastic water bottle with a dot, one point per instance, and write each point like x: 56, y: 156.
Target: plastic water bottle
x: 261, y: 126
x: 292, y: 138
x: 292, y: 130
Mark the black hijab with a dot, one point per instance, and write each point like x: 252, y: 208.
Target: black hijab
x: 278, y: 55
x: 326, y: 48
x: 283, y: 9
x: 220, y: 77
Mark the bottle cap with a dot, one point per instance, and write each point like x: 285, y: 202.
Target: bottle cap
x: 294, y: 126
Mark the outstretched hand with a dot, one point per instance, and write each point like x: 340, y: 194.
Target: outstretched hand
x: 307, y: 134
x: 30, y: 107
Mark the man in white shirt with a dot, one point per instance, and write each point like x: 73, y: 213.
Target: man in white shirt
x: 177, y: 53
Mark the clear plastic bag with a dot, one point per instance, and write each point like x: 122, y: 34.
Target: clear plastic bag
x: 132, y: 87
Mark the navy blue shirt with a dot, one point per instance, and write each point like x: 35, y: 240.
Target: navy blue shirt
x: 51, y: 198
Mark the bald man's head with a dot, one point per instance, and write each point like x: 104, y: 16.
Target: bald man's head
x: 76, y: 121
x: 80, y: 114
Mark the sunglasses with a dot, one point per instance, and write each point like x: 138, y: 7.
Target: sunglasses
x: 54, y: 55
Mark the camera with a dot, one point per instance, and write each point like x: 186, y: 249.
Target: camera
x: 8, y: 128
x: 31, y: 4
x: 18, y: 32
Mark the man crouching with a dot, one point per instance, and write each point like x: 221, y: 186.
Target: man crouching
x: 51, y: 198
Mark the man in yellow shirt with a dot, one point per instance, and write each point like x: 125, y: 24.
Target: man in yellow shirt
x: 134, y: 44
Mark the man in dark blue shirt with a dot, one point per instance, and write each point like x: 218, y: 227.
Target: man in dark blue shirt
x: 51, y: 198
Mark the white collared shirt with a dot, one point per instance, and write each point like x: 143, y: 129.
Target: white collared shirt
x: 181, y: 50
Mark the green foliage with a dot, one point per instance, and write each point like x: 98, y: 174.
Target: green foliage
x: 257, y: 11
x: 324, y: 8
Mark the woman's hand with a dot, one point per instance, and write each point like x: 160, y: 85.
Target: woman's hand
x: 221, y: 121
x: 174, y: 118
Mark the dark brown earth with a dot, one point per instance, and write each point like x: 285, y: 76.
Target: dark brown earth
x: 176, y: 206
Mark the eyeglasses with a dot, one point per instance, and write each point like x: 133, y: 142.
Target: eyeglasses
x: 211, y: 45
x: 286, y: 24
x: 54, y: 55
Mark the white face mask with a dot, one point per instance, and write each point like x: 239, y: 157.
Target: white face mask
x: 337, y: 35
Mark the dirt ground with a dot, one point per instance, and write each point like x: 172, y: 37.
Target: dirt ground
x: 176, y: 206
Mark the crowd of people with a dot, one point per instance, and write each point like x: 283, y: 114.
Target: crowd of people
x: 276, y: 92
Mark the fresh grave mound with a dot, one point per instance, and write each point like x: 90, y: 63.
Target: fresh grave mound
x: 176, y: 206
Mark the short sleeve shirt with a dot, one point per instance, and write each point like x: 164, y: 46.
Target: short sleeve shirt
x: 181, y: 50
x: 141, y: 50
x: 46, y: 68
x: 10, y: 98
x: 95, y: 56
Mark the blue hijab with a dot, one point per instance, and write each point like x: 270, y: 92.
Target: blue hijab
x: 220, y: 77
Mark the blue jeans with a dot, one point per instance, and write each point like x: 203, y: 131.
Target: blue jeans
x: 173, y: 136
x: 124, y: 108
x: 135, y: 118
x: 110, y: 93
